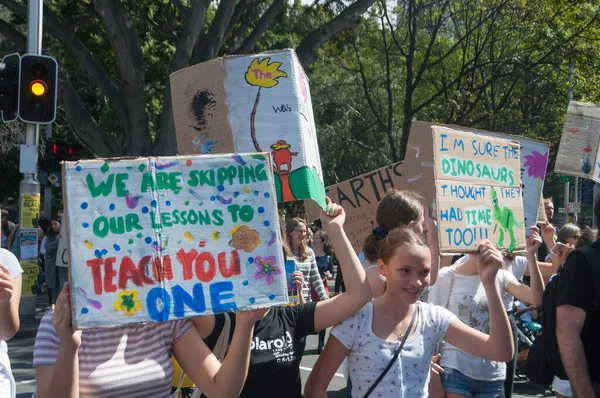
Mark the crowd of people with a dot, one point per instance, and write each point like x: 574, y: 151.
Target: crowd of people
x: 402, y: 326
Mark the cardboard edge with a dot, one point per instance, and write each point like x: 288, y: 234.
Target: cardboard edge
x: 67, y: 237
x: 225, y: 58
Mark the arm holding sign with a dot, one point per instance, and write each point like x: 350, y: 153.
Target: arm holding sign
x: 522, y: 292
x: 213, y: 378
x: 358, y: 292
x: 62, y: 378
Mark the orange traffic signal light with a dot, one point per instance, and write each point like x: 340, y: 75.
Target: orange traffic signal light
x: 38, y: 89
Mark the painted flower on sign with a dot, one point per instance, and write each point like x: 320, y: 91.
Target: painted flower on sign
x: 128, y: 302
x: 244, y: 238
x: 266, y: 268
x: 536, y: 164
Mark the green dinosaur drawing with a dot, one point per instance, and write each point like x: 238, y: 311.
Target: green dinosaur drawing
x: 506, y: 221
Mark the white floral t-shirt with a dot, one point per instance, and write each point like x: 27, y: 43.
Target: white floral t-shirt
x: 518, y: 267
x: 464, y: 296
x: 369, y: 355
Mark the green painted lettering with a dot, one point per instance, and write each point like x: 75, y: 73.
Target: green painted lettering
x: 148, y: 182
x: 246, y: 213
x: 104, y: 188
x: 261, y: 174
x: 120, y: 184
x: 132, y: 221
x: 217, y: 217
x: 165, y: 219
x: 100, y: 227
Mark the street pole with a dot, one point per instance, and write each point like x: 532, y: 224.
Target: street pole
x: 48, y: 188
x: 29, y: 187
x: 569, y: 99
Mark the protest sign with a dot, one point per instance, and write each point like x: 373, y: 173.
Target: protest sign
x: 478, y: 191
x: 578, y: 153
x: 252, y: 103
x: 155, y: 239
x: 359, y: 197
x: 416, y: 173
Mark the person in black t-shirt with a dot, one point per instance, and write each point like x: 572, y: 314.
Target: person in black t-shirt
x: 578, y: 321
x: 274, y: 361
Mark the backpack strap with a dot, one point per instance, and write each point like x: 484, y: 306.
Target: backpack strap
x: 593, y: 259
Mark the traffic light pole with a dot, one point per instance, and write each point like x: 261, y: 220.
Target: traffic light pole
x: 48, y: 188
x: 30, y: 188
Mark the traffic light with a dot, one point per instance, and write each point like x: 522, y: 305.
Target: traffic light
x: 9, y: 87
x: 57, y: 151
x: 38, y: 89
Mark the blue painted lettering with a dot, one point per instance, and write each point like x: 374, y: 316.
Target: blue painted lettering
x: 442, y: 147
x: 220, y: 292
x: 152, y: 299
x: 181, y: 299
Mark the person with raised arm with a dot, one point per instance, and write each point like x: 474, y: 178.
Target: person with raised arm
x: 274, y: 362
x: 391, y: 340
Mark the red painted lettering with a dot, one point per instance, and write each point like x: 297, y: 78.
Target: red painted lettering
x: 234, y: 264
x: 95, y: 264
x: 202, y: 274
x: 128, y: 271
x: 142, y: 270
x: 109, y: 274
x: 186, y: 259
x: 163, y: 270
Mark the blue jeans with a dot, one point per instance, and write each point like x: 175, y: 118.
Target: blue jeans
x: 458, y: 383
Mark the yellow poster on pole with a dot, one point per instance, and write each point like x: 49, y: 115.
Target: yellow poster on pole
x: 30, y: 210
x: 29, y: 278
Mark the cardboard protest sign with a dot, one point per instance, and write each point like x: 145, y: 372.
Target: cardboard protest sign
x: 578, y: 152
x: 478, y: 191
x: 155, y: 239
x: 252, y: 103
x: 361, y: 195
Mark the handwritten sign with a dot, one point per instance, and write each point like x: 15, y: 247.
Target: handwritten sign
x: 252, y: 103
x: 578, y: 152
x: 478, y: 191
x: 155, y: 239
x: 361, y: 195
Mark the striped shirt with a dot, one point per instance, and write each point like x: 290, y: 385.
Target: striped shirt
x: 128, y: 361
x: 309, y: 268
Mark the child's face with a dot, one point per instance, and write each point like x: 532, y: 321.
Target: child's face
x: 407, y: 273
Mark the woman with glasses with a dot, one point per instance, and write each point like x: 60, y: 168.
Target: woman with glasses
x: 296, y: 232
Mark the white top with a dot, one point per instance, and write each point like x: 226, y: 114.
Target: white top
x: 518, y: 267
x: 7, y: 382
x: 369, y: 355
x: 464, y: 296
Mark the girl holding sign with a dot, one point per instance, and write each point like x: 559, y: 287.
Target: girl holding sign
x: 390, y: 341
x: 461, y: 289
x: 133, y: 360
x: 275, y: 362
